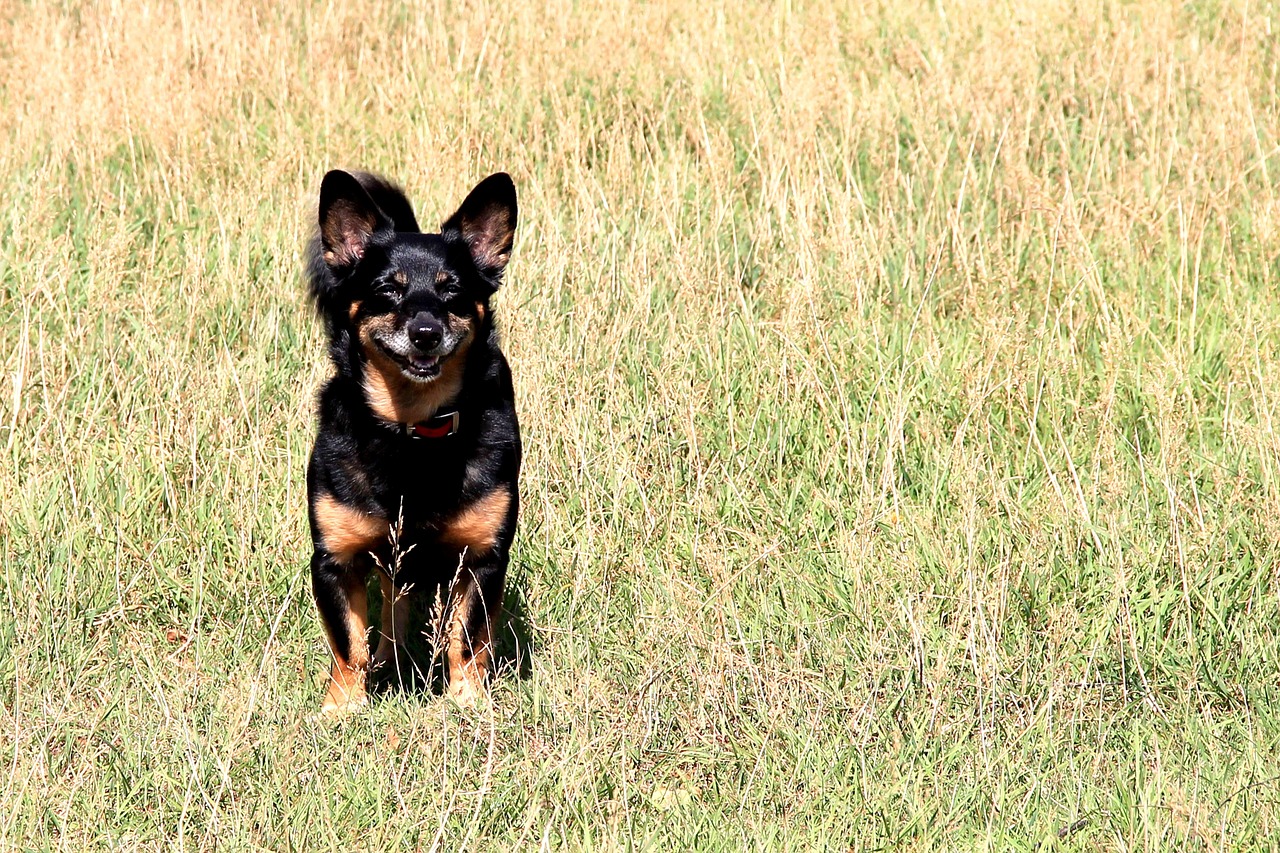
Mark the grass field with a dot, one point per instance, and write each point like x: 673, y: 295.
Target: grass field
x: 899, y: 386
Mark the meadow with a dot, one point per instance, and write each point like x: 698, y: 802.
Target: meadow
x: 899, y: 386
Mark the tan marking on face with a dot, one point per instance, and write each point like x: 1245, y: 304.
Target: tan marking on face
x: 346, y: 532
x: 395, y: 623
x: 476, y: 527
x: 441, y: 277
x: 480, y: 312
x: 395, y: 397
x: 346, y: 690
x: 469, y: 657
x: 464, y: 327
x: 399, y: 277
x: 354, y: 310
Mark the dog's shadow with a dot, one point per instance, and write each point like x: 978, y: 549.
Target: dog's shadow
x: 418, y: 666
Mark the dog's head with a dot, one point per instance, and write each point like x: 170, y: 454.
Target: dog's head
x: 415, y: 301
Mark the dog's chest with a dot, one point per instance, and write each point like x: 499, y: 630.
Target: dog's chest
x: 419, y: 491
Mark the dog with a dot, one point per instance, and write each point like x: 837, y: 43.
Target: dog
x: 416, y: 464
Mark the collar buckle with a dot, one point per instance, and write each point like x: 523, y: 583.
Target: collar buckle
x: 441, y: 426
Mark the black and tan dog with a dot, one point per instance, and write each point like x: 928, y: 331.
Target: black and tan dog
x: 417, y: 457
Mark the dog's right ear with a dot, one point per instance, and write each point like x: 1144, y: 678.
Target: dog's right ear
x: 349, y: 220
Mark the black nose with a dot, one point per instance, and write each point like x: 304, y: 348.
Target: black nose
x: 425, y: 332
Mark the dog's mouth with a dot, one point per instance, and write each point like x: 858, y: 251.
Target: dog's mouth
x: 419, y: 368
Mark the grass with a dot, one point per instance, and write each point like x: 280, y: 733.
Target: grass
x: 898, y: 383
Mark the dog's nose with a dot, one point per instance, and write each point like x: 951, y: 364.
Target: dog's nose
x: 425, y: 332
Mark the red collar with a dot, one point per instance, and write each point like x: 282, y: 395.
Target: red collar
x: 441, y: 426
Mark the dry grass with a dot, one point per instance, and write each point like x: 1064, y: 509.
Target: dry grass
x: 897, y: 385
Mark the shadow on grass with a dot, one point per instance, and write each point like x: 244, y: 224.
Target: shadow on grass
x: 418, y: 668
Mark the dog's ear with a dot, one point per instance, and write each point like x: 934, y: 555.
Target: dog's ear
x: 349, y: 220
x: 487, y: 222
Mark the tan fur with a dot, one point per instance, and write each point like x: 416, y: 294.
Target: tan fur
x: 393, y: 396
x: 476, y: 527
x: 347, y: 679
x: 347, y: 532
x: 355, y: 309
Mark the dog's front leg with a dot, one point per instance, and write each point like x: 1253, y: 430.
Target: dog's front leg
x: 480, y: 535
x: 344, y: 611
x: 475, y: 605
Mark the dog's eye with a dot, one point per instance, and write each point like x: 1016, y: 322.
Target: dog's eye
x: 450, y: 289
x: 387, y: 288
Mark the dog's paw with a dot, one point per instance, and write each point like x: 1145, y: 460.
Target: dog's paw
x: 467, y: 692
x: 339, y: 703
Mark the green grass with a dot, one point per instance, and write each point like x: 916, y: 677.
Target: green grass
x: 898, y: 385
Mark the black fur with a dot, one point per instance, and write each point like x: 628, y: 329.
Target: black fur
x: 372, y: 270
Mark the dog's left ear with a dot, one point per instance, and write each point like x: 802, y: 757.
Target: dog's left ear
x: 487, y: 222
